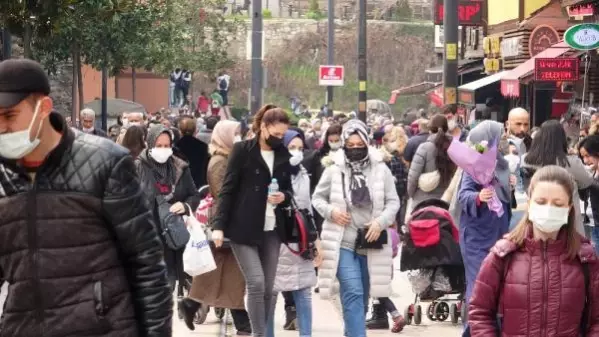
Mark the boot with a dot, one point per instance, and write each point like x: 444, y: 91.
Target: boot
x: 290, y: 319
x: 378, y: 320
x: 188, y: 309
x: 398, y: 324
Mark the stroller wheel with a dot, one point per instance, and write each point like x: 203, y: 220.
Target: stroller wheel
x: 430, y: 312
x: 408, y: 314
x: 418, y: 315
x: 454, y: 313
x: 463, y: 312
x: 219, y: 312
x: 441, y: 311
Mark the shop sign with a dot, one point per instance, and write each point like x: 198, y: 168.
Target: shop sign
x: 510, y: 47
x: 470, y: 12
x: 466, y: 97
x: 510, y: 88
x: 557, y: 69
x: 542, y: 38
x: 584, y: 36
x: 579, y: 11
x: 331, y: 75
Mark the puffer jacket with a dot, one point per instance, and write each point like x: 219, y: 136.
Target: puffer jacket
x: 329, y: 196
x: 294, y: 272
x: 78, y: 247
x: 424, y: 162
x: 536, y: 290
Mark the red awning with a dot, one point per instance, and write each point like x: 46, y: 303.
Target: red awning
x: 510, y: 82
x: 414, y: 89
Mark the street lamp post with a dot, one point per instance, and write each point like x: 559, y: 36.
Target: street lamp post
x: 362, y: 64
x: 450, y: 52
x: 331, y: 51
x: 257, y: 71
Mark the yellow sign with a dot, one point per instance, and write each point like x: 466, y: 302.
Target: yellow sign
x: 362, y: 85
x: 450, y: 96
x: 451, y: 51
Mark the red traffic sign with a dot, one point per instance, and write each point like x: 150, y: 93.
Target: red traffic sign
x: 331, y: 76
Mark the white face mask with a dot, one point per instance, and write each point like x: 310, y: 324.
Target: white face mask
x: 335, y: 145
x: 135, y: 123
x: 237, y: 139
x: 547, y: 218
x: 296, y: 157
x: 88, y: 130
x: 452, y: 124
x: 16, y: 145
x: 162, y: 154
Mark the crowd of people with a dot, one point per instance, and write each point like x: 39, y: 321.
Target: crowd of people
x: 85, y: 220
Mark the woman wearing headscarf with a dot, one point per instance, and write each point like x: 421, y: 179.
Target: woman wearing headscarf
x: 296, y: 275
x: 166, y: 178
x: 356, y: 194
x: 225, y: 286
x: 480, y: 227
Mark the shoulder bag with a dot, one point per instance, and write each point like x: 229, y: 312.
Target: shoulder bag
x: 173, y: 227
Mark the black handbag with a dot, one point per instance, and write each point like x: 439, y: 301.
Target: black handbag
x: 172, y: 226
x: 361, y: 242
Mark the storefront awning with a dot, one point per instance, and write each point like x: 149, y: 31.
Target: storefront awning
x: 510, y: 82
x: 466, y: 92
x: 466, y: 66
x: 414, y: 89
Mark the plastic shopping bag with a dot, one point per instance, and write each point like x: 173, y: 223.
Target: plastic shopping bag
x: 197, y: 257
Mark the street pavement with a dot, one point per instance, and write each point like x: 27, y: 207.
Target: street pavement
x: 327, y: 320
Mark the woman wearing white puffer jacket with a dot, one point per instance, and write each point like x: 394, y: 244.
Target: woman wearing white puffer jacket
x: 356, y: 194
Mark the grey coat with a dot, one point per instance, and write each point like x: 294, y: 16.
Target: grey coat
x: 293, y: 272
x: 582, y: 178
x: 424, y: 162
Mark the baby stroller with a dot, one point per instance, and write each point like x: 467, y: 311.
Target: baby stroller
x: 202, y: 313
x: 431, y: 255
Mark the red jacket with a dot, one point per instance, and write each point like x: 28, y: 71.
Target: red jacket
x: 541, y: 292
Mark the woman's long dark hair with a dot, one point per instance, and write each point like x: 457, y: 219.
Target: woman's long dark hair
x: 134, y: 140
x: 444, y: 165
x: 549, y: 147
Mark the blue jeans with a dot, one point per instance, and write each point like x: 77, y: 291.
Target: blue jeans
x: 354, y: 286
x: 303, y: 307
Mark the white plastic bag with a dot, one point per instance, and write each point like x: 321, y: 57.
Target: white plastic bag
x: 197, y: 257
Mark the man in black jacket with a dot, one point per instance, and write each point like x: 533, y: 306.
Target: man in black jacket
x: 78, y: 247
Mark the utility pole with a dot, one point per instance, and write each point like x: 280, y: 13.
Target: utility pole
x: 331, y: 51
x: 362, y: 64
x: 450, y: 52
x: 257, y: 71
x: 104, y: 104
x: 6, y: 44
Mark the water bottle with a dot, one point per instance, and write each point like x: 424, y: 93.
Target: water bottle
x: 273, y: 187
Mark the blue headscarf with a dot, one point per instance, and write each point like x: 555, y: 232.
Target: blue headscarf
x: 287, y: 138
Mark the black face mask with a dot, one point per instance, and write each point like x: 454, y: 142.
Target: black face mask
x: 274, y: 142
x: 356, y: 154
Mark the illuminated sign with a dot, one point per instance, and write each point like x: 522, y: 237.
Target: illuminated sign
x: 557, y: 69
x: 470, y: 13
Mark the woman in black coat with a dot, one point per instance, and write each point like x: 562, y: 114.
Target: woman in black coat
x: 165, y: 177
x: 253, y: 217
